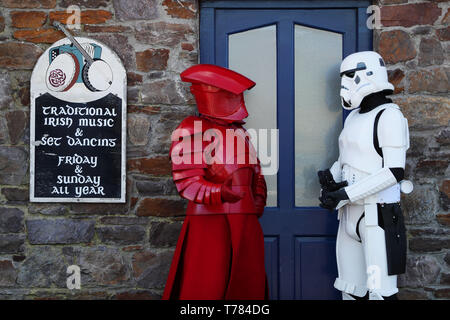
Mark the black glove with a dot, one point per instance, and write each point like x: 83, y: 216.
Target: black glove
x: 330, y: 199
x: 327, y: 182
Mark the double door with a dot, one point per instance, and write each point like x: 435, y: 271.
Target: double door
x: 292, y: 50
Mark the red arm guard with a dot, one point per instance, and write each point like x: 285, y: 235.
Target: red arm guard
x: 192, y: 185
x: 188, y: 175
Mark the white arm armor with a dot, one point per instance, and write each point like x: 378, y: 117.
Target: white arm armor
x: 374, y: 183
x: 336, y: 171
x: 393, y: 137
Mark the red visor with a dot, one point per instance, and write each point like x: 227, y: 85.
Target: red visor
x: 219, y: 103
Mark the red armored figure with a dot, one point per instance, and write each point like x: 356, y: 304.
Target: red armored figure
x: 220, y: 250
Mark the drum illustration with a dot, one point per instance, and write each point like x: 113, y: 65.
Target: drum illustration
x: 77, y: 63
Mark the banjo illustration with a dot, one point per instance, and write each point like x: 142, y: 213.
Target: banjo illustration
x: 77, y: 63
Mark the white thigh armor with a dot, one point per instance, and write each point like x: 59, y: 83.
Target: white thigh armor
x: 362, y: 254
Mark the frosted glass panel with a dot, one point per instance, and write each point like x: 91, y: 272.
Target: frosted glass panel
x: 318, y: 112
x: 253, y: 54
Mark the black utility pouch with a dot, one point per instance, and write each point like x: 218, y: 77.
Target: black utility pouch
x: 390, y: 218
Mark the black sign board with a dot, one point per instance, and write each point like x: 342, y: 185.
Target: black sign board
x: 78, y: 148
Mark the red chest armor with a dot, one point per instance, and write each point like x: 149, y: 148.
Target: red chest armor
x: 207, y: 154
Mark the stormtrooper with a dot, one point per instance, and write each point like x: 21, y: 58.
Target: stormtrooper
x: 364, y: 184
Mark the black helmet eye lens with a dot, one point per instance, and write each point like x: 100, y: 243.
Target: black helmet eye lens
x: 350, y: 74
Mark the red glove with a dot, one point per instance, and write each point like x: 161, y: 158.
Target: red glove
x: 260, y: 203
x: 229, y: 195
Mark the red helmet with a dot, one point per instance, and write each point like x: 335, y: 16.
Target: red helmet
x: 218, y: 91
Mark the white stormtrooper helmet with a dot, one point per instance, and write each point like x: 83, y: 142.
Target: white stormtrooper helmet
x: 362, y: 73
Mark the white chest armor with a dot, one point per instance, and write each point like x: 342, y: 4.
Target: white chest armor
x: 358, y: 155
x: 356, y: 147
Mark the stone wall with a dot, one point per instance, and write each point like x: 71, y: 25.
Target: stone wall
x: 124, y: 251
x: 414, y: 41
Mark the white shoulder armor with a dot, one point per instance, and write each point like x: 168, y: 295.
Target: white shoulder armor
x: 393, y: 128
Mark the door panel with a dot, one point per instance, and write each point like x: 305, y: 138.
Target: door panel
x: 271, y: 258
x: 318, y: 117
x: 247, y: 52
x: 275, y: 46
x: 314, y: 259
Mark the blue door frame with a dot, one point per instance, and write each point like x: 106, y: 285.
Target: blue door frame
x: 299, y: 241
